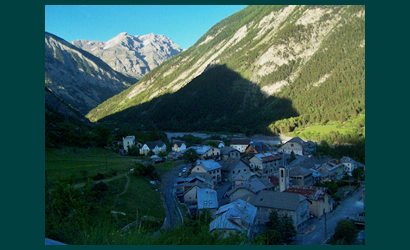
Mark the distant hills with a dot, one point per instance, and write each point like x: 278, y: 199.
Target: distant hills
x: 77, y: 81
x: 293, y: 64
x: 133, y: 56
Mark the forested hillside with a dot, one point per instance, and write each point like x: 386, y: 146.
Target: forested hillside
x: 305, y: 64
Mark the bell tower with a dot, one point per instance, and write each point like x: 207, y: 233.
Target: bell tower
x: 283, y: 179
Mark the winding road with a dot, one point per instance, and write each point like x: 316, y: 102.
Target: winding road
x: 173, y: 215
x: 315, y: 233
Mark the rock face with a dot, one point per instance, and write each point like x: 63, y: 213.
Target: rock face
x: 76, y: 79
x: 312, y: 56
x: 132, y: 55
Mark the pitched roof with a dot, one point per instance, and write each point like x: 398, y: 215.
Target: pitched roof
x: 129, y: 137
x: 253, y: 184
x: 296, y: 140
x: 267, y: 157
x: 227, y: 150
x: 238, y: 215
x: 312, y: 193
x: 331, y: 165
x: 232, y: 164
x: 207, y: 198
x: 299, y: 171
x: 244, y: 176
x: 346, y: 159
x: 240, y: 141
x: 305, y: 144
x: 209, y: 165
x: 178, y: 142
x: 205, y: 176
x: 277, y: 200
x: 259, y: 146
x: 152, y: 144
x: 308, y: 162
x: 200, y: 149
x: 191, y: 179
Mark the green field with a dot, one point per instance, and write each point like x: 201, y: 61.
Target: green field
x: 140, y: 200
x: 80, y: 163
x: 166, y: 166
x: 132, y: 196
x: 333, y: 131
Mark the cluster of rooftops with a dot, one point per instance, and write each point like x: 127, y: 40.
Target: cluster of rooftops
x: 259, y: 178
x: 253, y: 190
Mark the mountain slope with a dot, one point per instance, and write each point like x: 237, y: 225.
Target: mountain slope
x: 311, y: 55
x: 219, y: 99
x: 132, y: 55
x: 77, y: 78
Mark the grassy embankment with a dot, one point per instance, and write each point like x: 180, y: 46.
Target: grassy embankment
x: 333, y: 131
x: 133, y: 198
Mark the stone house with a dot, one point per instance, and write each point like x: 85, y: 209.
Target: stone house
x: 349, y: 164
x: 300, y: 176
x: 230, y: 153
x: 155, y: 147
x: 240, y: 144
x: 210, y: 167
x: 265, y: 164
x: 248, y: 188
x: 207, y: 199
x: 206, y: 152
x: 178, y: 146
x: 185, y: 184
x: 128, y: 141
x: 320, y: 201
x: 332, y: 170
x: 235, y: 171
x: 298, y: 147
x: 235, y: 217
x: 257, y: 147
x: 295, y: 206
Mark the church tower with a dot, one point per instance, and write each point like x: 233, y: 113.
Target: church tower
x: 283, y: 179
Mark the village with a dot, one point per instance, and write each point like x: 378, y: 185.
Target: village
x: 240, y: 182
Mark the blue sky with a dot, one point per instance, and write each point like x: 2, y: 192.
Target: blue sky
x: 184, y: 24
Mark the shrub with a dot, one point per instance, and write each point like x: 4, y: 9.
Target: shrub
x: 345, y: 233
x: 98, y: 177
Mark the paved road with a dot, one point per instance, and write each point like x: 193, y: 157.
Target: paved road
x: 315, y: 229
x: 172, y: 213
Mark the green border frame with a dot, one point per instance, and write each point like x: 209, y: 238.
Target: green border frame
x: 22, y: 147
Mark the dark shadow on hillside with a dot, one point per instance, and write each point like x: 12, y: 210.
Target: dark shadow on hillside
x: 217, y: 100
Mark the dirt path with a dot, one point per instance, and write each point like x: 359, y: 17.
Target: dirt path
x: 125, y: 187
x: 82, y: 184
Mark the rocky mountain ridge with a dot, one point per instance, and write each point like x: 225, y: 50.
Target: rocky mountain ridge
x: 131, y: 55
x: 77, y: 77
